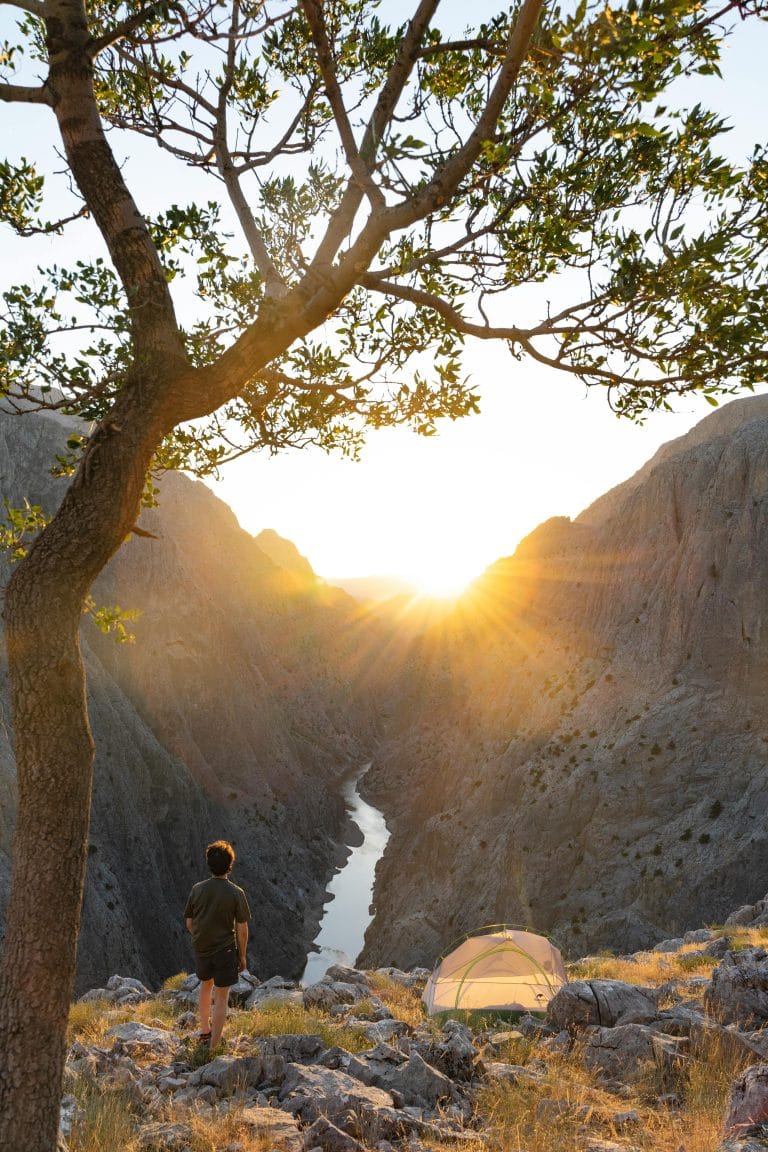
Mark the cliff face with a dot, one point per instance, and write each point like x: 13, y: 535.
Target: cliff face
x: 236, y: 712
x: 583, y: 745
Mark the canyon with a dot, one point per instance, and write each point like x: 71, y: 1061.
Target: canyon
x: 579, y: 745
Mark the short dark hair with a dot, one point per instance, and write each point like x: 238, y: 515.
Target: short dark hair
x: 220, y: 856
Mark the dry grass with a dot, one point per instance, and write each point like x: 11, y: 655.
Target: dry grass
x: 404, y: 1003
x: 649, y: 970
x: 89, y: 1020
x: 173, y: 983
x: 568, y: 1107
x: 215, y: 1129
x: 107, y: 1119
x: 285, y: 1018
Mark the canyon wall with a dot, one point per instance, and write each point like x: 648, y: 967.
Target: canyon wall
x: 240, y: 706
x: 582, y: 746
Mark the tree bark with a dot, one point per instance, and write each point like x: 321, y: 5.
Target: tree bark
x: 54, y: 757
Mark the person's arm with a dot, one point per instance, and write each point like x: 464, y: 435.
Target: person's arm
x: 188, y: 922
x: 242, y: 944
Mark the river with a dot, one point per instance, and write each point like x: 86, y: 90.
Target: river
x: 347, y: 911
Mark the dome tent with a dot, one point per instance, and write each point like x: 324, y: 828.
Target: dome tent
x: 505, y: 970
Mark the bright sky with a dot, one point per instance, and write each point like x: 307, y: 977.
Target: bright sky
x: 435, y: 511
x: 439, y: 511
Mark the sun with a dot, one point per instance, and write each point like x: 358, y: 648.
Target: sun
x: 442, y: 582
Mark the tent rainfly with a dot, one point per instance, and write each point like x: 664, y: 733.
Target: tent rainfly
x: 506, y: 970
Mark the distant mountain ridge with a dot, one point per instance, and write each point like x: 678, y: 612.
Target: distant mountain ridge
x: 373, y: 587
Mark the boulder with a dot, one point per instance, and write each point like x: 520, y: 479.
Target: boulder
x: 673, y: 945
x: 347, y: 975
x: 742, y: 916
x: 309, y: 1092
x: 273, y: 995
x: 454, y: 1053
x: 329, y: 994
x: 405, y: 979
x: 624, y: 1053
x: 748, y: 1103
x: 738, y: 993
x: 241, y: 992
x: 229, y: 1074
x: 414, y: 1081
x: 323, y: 1134
x: 272, y: 1128
x: 698, y: 936
x: 606, y: 1003
x: 140, y: 1040
x: 380, y: 1031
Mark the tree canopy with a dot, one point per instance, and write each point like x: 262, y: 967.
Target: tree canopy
x: 401, y: 163
x: 377, y: 194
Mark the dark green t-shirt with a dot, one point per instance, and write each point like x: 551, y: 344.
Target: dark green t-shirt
x: 215, y: 906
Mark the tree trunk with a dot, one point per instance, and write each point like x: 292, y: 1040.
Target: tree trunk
x: 54, y: 758
x: 54, y: 755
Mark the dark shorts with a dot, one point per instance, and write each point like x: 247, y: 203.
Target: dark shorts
x: 221, y: 966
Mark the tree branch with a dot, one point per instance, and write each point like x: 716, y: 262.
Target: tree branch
x: 154, y: 327
x: 407, y: 54
x: 313, y: 10
x: 20, y: 94
x: 274, y: 284
x: 445, y: 181
x: 126, y: 27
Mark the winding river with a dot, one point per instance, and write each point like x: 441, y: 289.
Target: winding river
x: 347, y: 911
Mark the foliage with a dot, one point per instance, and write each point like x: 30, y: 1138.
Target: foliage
x: 593, y: 183
x: 20, y: 524
x: 20, y: 527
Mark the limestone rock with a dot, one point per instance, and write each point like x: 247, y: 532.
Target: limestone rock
x: 323, y: 1134
x: 454, y: 1053
x: 623, y: 1053
x: 273, y: 1127
x: 414, y: 1081
x: 606, y: 1003
x: 311, y: 1091
x: 738, y: 993
x: 229, y: 1074
x: 748, y: 1103
x: 140, y: 1040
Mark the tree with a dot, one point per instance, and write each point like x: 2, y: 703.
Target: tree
x: 394, y: 191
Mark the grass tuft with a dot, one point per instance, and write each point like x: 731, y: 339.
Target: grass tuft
x: 286, y: 1018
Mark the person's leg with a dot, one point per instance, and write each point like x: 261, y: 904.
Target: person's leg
x: 220, y: 1002
x: 204, y: 1005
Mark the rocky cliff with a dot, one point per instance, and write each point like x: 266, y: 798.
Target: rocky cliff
x: 236, y: 712
x: 583, y: 745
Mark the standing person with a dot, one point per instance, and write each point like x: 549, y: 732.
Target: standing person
x: 217, y: 916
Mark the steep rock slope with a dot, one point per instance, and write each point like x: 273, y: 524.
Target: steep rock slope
x: 236, y: 712
x: 583, y: 745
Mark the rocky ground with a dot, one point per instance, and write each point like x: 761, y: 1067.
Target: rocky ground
x: 664, y: 1050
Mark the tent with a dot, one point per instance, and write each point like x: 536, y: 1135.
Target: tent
x: 503, y: 970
